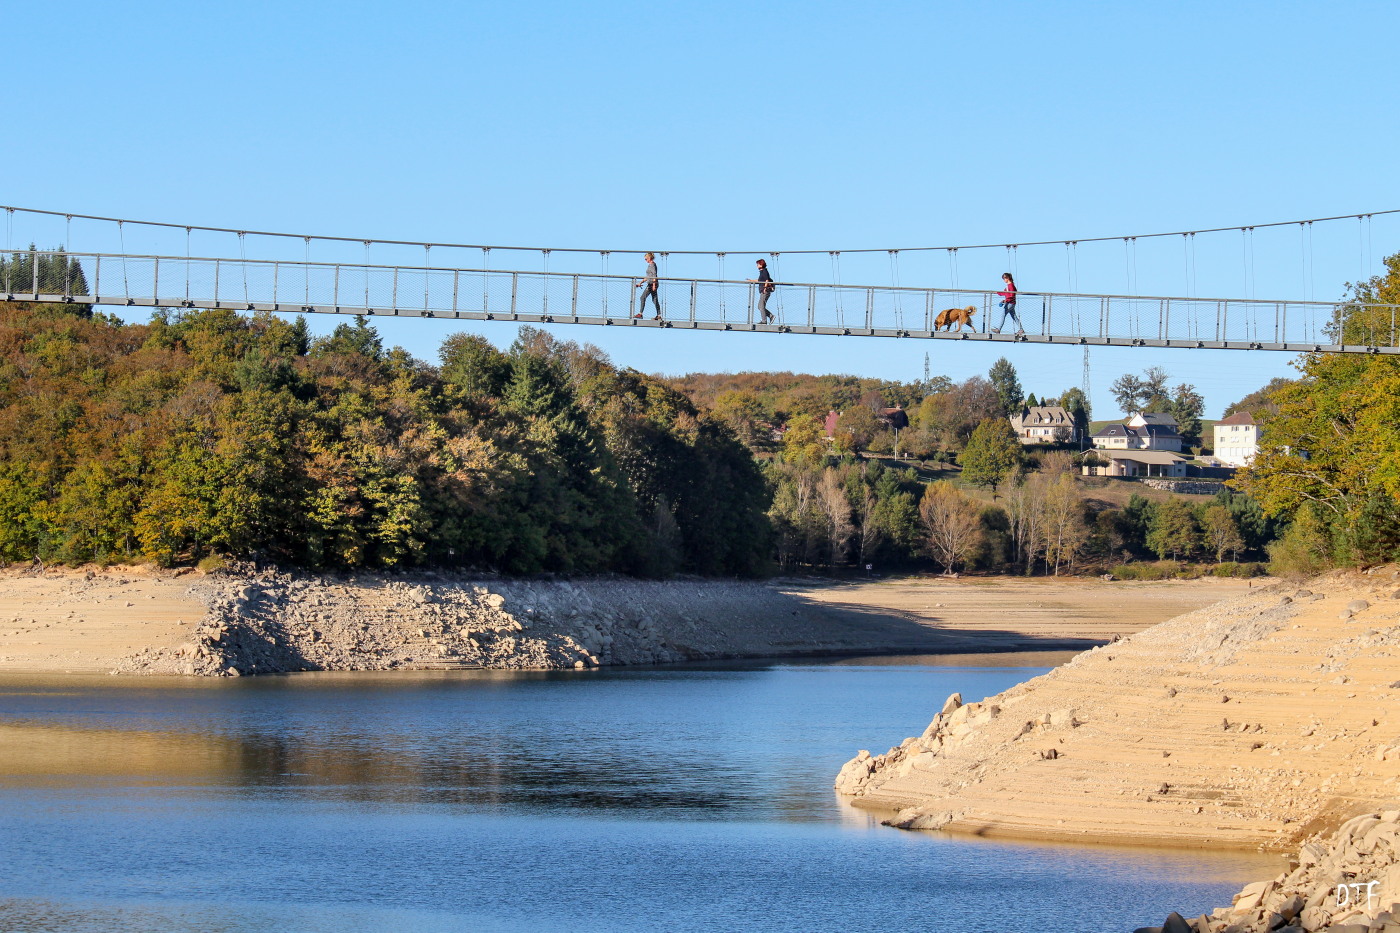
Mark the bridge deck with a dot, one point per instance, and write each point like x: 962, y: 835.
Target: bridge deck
x: 690, y: 304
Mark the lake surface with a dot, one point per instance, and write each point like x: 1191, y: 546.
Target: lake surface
x: 677, y: 799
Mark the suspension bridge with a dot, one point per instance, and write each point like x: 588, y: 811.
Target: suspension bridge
x: 453, y: 292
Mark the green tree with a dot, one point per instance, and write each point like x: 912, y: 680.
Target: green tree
x: 992, y: 453
x: 1076, y: 404
x: 1222, y: 533
x: 1007, y: 386
x: 1171, y: 529
x: 1186, y: 407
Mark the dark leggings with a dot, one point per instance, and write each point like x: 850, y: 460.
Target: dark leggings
x: 649, y: 290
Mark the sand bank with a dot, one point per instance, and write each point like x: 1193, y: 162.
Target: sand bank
x: 145, y: 621
x: 1254, y: 722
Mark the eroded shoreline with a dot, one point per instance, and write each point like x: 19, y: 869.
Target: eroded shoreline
x: 271, y: 621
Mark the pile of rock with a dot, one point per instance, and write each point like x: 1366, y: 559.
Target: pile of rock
x: 271, y: 621
x: 1348, y: 883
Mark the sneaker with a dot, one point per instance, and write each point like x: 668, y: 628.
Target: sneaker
x: 637, y: 316
x: 657, y: 318
x: 996, y: 330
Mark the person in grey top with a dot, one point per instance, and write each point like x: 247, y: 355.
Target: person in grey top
x: 649, y: 286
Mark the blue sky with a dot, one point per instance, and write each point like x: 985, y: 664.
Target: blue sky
x: 779, y: 126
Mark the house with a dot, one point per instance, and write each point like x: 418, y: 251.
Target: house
x: 1136, y: 463
x: 1156, y: 431
x: 1044, y: 424
x: 1237, y: 439
x: 896, y: 419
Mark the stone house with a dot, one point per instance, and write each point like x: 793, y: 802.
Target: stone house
x: 1236, y: 439
x: 1044, y: 424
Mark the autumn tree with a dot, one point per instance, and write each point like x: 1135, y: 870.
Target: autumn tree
x: 1334, y: 442
x: 951, y: 525
x: 1062, y: 526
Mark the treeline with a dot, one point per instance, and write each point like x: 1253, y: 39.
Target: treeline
x: 837, y: 512
x: 942, y: 414
x: 1331, y: 464
x: 209, y: 433
x: 53, y: 273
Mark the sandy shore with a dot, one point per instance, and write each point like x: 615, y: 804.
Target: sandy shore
x: 145, y: 621
x: 1257, y: 721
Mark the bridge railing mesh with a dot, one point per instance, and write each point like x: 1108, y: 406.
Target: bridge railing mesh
x: 352, y: 288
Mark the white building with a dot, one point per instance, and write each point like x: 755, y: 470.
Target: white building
x: 1141, y: 432
x: 1135, y: 463
x: 1236, y: 439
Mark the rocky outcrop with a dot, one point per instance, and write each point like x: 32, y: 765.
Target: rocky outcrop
x: 1255, y: 722
x: 1345, y: 882
x: 274, y: 621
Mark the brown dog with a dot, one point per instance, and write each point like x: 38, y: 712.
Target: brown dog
x: 959, y: 316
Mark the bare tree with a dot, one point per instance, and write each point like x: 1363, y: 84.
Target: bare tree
x: 1024, y: 504
x: 831, y: 498
x: 870, y: 534
x: 1057, y: 463
x: 1063, y: 530
x: 952, y: 529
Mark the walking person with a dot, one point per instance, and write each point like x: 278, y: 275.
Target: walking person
x: 1008, y: 304
x: 765, y: 288
x: 649, y: 286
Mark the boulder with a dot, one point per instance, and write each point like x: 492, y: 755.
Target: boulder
x: 1175, y: 923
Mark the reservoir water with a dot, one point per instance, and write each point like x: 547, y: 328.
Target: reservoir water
x: 677, y: 799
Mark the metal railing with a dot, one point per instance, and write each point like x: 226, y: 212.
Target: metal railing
x: 711, y: 304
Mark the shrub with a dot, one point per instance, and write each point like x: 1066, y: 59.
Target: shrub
x: 213, y: 563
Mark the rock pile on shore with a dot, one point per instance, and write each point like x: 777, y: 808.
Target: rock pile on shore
x: 1348, y: 882
x: 273, y: 621
x: 1254, y: 722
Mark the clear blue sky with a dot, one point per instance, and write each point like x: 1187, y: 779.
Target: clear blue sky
x: 736, y: 126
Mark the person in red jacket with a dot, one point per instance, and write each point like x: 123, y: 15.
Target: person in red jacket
x: 1008, y: 304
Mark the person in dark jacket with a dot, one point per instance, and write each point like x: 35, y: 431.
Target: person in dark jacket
x: 765, y: 288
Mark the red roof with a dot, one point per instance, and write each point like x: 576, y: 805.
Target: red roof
x: 1239, y: 417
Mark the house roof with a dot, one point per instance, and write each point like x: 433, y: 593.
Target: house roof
x: 1239, y: 417
x: 1159, y: 430
x: 1159, y: 457
x: 1045, y: 414
x: 1148, y: 430
x: 1156, y: 417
